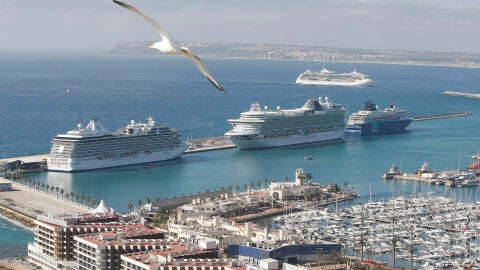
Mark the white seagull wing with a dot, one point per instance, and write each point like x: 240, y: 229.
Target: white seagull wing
x: 159, y: 29
x: 203, y: 69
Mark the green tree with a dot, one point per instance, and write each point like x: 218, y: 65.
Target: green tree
x: 130, y: 206
x: 57, y: 189
x: 139, y: 202
x: 61, y: 192
x: 47, y: 187
x: 148, y: 200
x: 67, y: 195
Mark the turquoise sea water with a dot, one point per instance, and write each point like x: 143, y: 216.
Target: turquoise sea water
x: 35, y: 106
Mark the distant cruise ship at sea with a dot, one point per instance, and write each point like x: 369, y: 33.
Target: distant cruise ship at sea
x: 328, y: 77
x: 93, y: 147
x: 370, y: 120
x: 318, y: 120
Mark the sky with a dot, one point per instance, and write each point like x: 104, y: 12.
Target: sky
x: 99, y: 25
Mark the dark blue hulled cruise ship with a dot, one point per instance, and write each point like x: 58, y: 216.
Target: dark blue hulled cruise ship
x: 371, y: 121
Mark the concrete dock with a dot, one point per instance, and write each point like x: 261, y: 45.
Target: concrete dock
x: 209, y: 144
x: 27, y: 202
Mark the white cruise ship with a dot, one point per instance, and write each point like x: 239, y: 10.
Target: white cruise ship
x: 318, y: 120
x: 328, y: 77
x: 93, y: 147
x: 371, y: 120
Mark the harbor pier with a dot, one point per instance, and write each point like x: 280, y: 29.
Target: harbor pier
x: 23, y: 203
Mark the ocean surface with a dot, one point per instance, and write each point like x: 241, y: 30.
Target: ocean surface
x: 42, y: 95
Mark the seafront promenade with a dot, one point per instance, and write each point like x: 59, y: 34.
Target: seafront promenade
x: 23, y: 203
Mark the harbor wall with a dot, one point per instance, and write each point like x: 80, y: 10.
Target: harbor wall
x: 17, y: 217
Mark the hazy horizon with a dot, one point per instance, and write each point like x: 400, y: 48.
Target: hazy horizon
x: 98, y: 26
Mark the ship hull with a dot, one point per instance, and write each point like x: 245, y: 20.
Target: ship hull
x: 250, y: 142
x: 387, y: 127
x: 71, y: 165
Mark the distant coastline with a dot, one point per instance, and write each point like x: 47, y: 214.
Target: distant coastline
x: 312, y: 53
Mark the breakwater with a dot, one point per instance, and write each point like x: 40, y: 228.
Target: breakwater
x: 17, y: 217
x: 461, y: 94
x: 441, y: 116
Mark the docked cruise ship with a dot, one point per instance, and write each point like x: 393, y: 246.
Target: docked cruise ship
x: 328, y: 77
x: 370, y: 120
x: 93, y: 147
x: 318, y: 120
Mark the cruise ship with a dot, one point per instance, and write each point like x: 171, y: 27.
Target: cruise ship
x: 370, y: 120
x: 94, y: 147
x: 318, y: 120
x: 328, y: 77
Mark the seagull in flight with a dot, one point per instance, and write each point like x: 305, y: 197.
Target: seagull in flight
x: 169, y: 46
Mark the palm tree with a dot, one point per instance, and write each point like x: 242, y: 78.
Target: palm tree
x: 77, y: 197
x: 52, y: 188
x: 259, y: 184
x: 43, y: 186
x: 222, y: 189
x: 139, y: 202
x: 67, y: 195
x: 237, y: 188
x: 157, y: 199
x: 95, y: 203
x: 47, y: 187
x: 252, y: 184
x: 207, y: 191
x: 89, y: 199
x: 345, y: 185
x: 61, y: 192
x: 130, y: 206
x: 245, y: 187
x: 72, y: 195
x: 265, y: 181
x: 34, y: 183
x: 82, y: 197
x: 148, y: 200
x: 57, y: 189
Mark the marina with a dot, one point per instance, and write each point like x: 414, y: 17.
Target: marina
x: 424, y: 230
